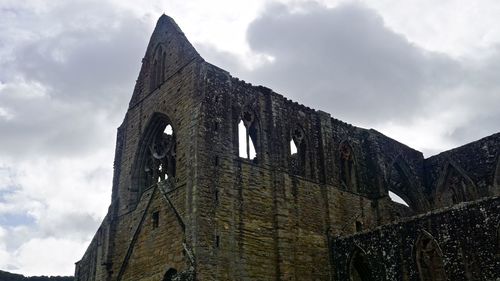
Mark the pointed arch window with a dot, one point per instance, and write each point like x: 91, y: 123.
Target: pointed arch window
x: 298, y: 150
x: 359, y: 267
x: 170, y: 274
x: 158, y: 69
x: 454, y: 187
x: 429, y: 258
x: 247, y: 135
x: 157, y: 153
x: 348, y: 176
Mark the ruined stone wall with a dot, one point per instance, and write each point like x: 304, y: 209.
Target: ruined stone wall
x: 474, y: 168
x: 263, y: 218
x: 460, y: 243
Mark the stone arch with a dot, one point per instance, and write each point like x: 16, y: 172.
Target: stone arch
x: 156, y: 154
x: 359, y: 266
x: 298, y: 160
x: 157, y: 71
x: 401, y: 182
x: 348, y: 172
x: 429, y: 258
x: 454, y: 186
x: 169, y: 274
x: 252, y: 135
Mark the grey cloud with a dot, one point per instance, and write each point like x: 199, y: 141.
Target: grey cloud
x: 345, y: 61
x: 87, y: 65
x: 73, y: 225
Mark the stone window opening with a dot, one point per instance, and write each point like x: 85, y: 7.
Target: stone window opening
x: 348, y: 176
x: 170, y: 274
x: 429, y: 258
x: 247, y: 136
x: 293, y: 148
x: 359, y: 267
x: 359, y: 226
x: 216, y: 196
x: 397, y: 199
x: 161, y: 162
x: 454, y: 187
x: 155, y: 219
x: 298, y: 150
x: 156, y: 159
x: 168, y: 130
x: 158, y: 68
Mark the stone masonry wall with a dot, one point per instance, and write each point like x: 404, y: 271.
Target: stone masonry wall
x: 466, y: 235
x: 262, y: 221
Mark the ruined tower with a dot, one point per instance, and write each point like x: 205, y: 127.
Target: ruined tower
x: 192, y: 201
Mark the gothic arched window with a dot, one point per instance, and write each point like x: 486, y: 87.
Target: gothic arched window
x: 348, y: 177
x: 158, y: 68
x: 429, y: 258
x: 298, y: 150
x: 454, y: 187
x: 247, y: 135
x: 359, y: 267
x: 170, y: 274
x: 157, y: 153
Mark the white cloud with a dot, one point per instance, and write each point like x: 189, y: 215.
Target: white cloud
x: 48, y: 255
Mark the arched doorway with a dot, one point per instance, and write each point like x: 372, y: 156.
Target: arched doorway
x: 359, y: 267
x: 429, y: 258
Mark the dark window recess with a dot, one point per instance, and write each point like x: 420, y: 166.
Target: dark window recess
x: 170, y: 274
x: 359, y: 267
x: 359, y: 226
x: 217, y: 241
x: 155, y: 219
x: 216, y: 161
x: 429, y: 258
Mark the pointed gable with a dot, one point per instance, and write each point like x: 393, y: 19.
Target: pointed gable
x: 168, y: 52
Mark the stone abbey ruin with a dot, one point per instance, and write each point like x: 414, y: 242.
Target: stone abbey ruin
x: 187, y: 205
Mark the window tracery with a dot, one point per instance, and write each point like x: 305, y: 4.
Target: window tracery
x: 156, y: 159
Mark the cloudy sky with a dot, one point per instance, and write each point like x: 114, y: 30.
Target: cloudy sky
x: 424, y: 72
